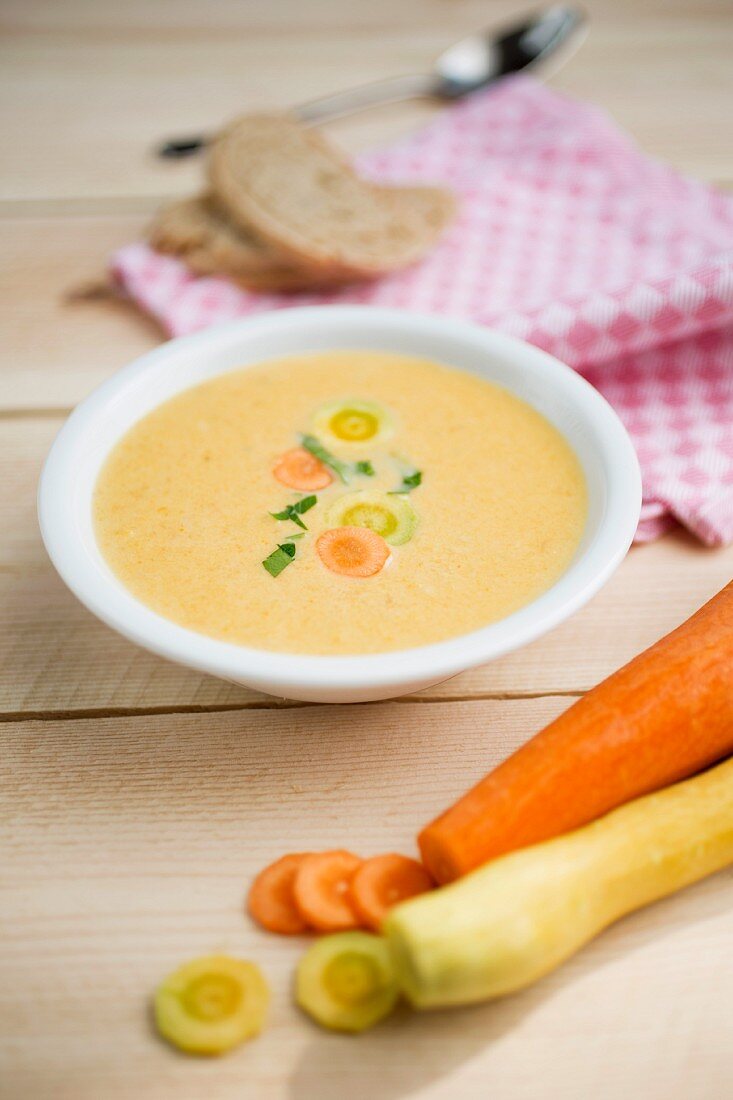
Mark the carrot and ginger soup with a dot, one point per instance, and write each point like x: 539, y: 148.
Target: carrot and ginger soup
x: 340, y: 503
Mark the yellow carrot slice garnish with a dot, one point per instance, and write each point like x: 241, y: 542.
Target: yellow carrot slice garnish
x: 387, y: 514
x: 352, y: 421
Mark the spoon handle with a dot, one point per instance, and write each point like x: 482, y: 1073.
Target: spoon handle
x: 413, y: 86
x: 391, y: 90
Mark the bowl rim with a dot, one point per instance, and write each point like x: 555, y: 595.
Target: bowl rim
x: 272, y: 670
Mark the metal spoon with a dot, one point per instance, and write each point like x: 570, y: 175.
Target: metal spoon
x: 470, y: 64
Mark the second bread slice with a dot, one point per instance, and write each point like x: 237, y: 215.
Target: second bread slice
x: 197, y: 232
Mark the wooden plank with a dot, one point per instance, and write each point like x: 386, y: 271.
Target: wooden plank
x: 106, y: 180
x: 128, y: 845
x: 54, y: 350
x: 54, y: 656
x: 161, y: 69
x: 128, y: 842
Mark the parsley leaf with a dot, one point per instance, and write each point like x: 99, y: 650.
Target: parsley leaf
x: 409, y: 482
x: 279, y: 559
x: 295, y: 511
x: 316, y: 448
x: 365, y: 468
x: 289, y: 514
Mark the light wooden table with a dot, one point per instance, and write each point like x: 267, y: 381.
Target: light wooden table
x: 139, y: 798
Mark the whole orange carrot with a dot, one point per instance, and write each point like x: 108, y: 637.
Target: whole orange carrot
x: 662, y: 717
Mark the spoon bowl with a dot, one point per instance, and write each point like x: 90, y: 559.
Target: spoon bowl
x: 480, y: 59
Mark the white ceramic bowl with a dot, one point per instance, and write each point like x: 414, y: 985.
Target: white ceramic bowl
x: 573, y: 406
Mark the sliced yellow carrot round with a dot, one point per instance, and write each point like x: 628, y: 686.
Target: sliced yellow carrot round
x: 271, y: 901
x: 352, y: 421
x: 299, y: 469
x: 384, y: 881
x: 346, y: 982
x: 211, y: 1004
x: 387, y: 514
x: 352, y: 551
x: 321, y: 890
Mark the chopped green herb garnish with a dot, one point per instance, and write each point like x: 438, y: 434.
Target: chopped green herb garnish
x: 365, y: 468
x: 279, y: 559
x: 409, y: 482
x: 316, y: 448
x: 295, y: 511
x: 290, y: 515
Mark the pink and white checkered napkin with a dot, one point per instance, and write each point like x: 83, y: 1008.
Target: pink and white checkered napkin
x: 570, y: 238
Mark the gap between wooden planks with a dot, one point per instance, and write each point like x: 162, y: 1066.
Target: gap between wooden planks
x: 129, y: 844
x: 56, y: 659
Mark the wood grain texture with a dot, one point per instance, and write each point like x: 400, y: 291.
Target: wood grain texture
x: 130, y: 843
x: 166, y: 68
x: 55, y: 656
x: 44, y: 261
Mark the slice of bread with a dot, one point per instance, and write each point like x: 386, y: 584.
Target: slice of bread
x: 288, y: 187
x: 201, y: 235
x: 189, y: 225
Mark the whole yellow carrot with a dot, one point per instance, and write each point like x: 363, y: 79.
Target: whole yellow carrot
x: 518, y: 917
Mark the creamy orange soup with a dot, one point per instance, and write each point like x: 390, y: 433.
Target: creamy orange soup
x: 455, y: 502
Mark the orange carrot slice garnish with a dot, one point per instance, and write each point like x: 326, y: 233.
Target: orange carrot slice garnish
x: 384, y: 881
x: 352, y: 551
x: 299, y: 469
x: 321, y: 890
x: 271, y: 901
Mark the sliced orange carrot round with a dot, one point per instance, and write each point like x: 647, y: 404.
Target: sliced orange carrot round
x: 321, y: 890
x: 271, y: 901
x: 352, y: 551
x: 299, y: 469
x: 384, y: 881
